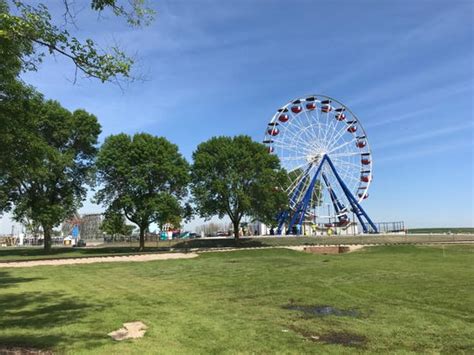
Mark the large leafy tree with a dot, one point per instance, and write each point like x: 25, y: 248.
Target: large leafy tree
x: 46, y: 158
x: 28, y: 33
x: 236, y: 176
x: 144, y: 177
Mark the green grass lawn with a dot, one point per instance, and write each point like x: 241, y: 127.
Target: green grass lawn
x: 465, y: 230
x: 28, y: 253
x: 406, y: 299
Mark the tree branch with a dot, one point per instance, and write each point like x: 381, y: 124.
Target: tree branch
x: 70, y: 56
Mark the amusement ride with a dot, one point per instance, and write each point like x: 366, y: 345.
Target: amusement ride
x: 323, y: 147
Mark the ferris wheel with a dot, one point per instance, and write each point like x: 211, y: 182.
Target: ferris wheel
x: 325, y: 151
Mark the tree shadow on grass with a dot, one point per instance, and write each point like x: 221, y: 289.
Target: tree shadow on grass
x: 9, y: 281
x: 45, y: 320
x: 40, y: 344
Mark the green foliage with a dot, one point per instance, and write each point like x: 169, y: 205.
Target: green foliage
x: 114, y: 224
x: 237, y: 177
x: 12, y: 52
x: 295, y: 177
x: 136, y: 13
x: 46, y: 158
x: 29, y: 33
x: 144, y: 177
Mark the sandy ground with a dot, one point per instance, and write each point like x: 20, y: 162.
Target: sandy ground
x: 101, y: 259
x: 143, y: 257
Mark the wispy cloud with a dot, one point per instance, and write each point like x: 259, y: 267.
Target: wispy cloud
x: 429, y: 150
x: 415, y: 102
x: 383, y: 119
x: 429, y: 133
x: 404, y: 44
x: 439, y: 75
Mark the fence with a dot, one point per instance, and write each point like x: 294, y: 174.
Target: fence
x: 390, y: 227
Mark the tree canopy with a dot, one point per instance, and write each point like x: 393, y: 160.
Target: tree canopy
x: 144, y: 177
x: 28, y: 33
x: 236, y: 176
x: 46, y: 158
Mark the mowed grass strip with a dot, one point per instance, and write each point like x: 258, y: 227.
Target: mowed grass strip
x: 408, y: 299
x: 114, y: 249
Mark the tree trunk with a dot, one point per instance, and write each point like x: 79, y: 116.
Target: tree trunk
x: 236, y: 229
x: 47, y: 238
x: 142, y: 238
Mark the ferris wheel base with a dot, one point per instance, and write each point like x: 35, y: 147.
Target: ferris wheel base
x: 296, y: 223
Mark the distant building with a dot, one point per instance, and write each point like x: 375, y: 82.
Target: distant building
x: 258, y: 228
x: 87, y: 224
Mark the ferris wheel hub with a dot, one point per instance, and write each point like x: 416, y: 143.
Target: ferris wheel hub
x: 315, y: 158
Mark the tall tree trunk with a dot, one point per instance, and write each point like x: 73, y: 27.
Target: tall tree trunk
x: 47, y: 238
x: 142, y: 238
x: 236, y: 229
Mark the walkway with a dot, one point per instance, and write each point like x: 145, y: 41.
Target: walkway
x: 99, y: 259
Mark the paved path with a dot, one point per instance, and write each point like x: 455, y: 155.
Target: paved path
x: 99, y: 259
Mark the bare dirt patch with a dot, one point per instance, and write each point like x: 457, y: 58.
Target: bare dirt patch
x: 337, y: 338
x: 131, y: 330
x: 344, y: 338
x: 99, y: 259
x: 321, y: 310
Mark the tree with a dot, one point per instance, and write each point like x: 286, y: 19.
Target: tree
x: 144, y: 177
x: 29, y: 33
x: 298, y: 182
x: 237, y: 177
x: 114, y: 224
x: 46, y: 159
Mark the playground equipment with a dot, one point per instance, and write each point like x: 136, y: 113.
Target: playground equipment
x: 72, y: 230
x: 326, y: 153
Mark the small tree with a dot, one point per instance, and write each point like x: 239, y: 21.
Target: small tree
x: 46, y: 160
x: 114, y: 224
x: 237, y: 177
x: 144, y: 177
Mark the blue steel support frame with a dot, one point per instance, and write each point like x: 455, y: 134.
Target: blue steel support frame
x: 335, y: 201
x: 284, y: 215
x: 359, y: 211
x: 303, y: 205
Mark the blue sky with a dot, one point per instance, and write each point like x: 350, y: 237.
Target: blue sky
x: 223, y: 68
